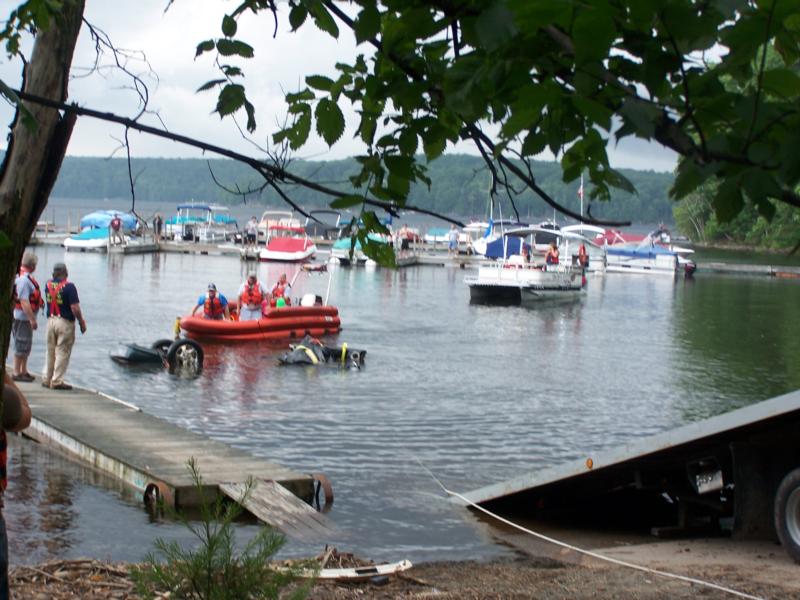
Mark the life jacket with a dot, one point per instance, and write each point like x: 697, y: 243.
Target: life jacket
x: 279, y: 290
x: 252, y: 294
x: 583, y: 258
x: 54, y: 299
x: 551, y: 258
x: 213, y: 307
x: 35, y: 298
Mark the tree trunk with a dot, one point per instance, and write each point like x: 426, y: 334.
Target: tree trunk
x: 34, y: 155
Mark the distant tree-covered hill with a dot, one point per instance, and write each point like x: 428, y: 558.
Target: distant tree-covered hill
x: 460, y: 185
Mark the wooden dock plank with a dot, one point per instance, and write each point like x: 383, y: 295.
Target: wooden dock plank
x: 138, y: 448
x: 274, y: 504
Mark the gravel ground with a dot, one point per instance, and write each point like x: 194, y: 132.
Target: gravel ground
x: 516, y: 578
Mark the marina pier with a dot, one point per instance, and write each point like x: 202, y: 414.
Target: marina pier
x: 151, y: 455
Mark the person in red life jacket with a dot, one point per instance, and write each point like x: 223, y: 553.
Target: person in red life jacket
x: 281, y: 290
x: 251, y: 296
x: 63, y: 309
x: 116, y: 230
x: 551, y: 258
x: 583, y: 257
x: 215, y: 306
x: 27, y: 303
x: 16, y: 417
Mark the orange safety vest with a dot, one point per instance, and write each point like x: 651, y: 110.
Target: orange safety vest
x: 252, y: 294
x: 54, y: 299
x: 551, y: 258
x: 212, y: 307
x: 36, y: 295
x: 279, y: 290
x: 583, y: 258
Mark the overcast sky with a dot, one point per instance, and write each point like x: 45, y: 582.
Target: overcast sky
x: 168, y: 40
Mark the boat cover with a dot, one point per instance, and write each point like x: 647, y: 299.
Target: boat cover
x: 102, y: 218
x: 91, y: 234
x: 494, y: 249
x: 639, y: 251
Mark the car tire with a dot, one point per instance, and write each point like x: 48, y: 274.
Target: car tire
x: 186, y: 356
x: 162, y: 345
x: 787, y: 514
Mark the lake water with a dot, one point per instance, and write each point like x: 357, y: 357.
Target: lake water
x: 476, y: 394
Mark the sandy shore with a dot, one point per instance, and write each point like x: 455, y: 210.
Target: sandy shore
x: 757, y: 569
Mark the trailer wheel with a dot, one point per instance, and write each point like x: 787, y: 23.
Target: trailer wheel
x: 787, y: 513
x: 185, y: 356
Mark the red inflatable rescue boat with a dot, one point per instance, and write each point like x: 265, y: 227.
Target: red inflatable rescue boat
x: 279, y: 323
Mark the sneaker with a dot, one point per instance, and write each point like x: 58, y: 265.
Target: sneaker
x: 61, y: 386
x: 23, y: 377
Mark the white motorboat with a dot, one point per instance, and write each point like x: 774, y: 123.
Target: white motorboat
x: 95, y: 234
x: 275, y: 218
x: 513, y: 279
x: 286, y: 243
x: 201, y: 223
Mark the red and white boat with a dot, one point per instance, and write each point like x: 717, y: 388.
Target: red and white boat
x: 287, y: 243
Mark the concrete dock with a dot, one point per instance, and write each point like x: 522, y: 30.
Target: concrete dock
x: 151, y: 455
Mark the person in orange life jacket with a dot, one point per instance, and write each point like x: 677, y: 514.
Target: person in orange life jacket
x: 551, y: 258
x: 27, y: 303
x: 281, y: 290
x: 63, y: 309
x: 215, y: 306
x: 251, y: 295
x: 583, y: 257
x: 16, y: 417
x: 116, y: 230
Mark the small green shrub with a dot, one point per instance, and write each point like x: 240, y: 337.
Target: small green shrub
x: 214, y: 570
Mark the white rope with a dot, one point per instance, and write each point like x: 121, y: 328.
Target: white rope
x: 615, y: 561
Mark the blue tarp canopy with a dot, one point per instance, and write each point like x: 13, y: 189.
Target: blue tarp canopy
x: 512, y: 245
x: 102, y: 218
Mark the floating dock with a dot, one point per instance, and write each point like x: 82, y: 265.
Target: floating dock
x: 151, y: 455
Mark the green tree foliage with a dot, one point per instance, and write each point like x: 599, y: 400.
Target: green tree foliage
x: 216, y: 570
x: 546, y: 74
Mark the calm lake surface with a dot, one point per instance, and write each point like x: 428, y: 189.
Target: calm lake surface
x: 476, y: 394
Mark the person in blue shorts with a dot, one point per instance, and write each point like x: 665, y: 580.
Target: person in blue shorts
x: 452, y: 241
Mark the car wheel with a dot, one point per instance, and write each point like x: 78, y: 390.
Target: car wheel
x: 787, y: 513
x: 185, y: 356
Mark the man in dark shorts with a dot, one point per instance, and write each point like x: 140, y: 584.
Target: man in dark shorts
x: 27, y: 303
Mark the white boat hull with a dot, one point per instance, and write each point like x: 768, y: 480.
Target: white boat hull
x: 660, y: 264
x: 266, y: 255
x: 525, y: 284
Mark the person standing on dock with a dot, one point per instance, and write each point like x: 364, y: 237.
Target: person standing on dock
x: 63, y: 309
x: 158, y: 225
x: 27, y: 303
x: 215, y: 306
x: 452, y: 241
x: 251, y: 232
x: 16, y: 417
x: 116, y: 230
x: 252, y: 294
